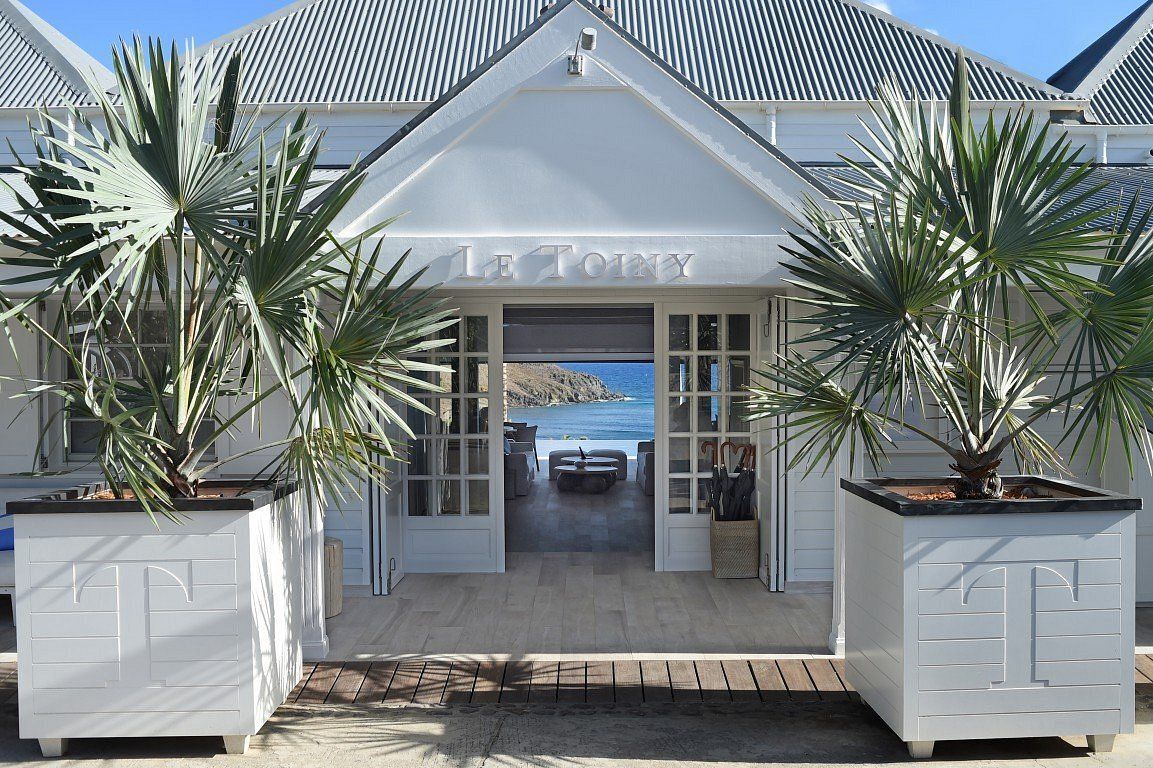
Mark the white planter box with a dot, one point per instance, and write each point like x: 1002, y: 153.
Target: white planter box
x: 127, y: 629
x: 1015, y: 621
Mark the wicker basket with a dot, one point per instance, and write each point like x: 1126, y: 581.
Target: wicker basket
x: 736, y: 547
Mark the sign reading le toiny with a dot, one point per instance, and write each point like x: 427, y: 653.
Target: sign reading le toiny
x: 563, y: 261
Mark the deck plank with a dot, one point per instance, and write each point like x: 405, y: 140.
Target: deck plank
x: 742, y: 686
x: 461, y: 679
x: 658, y: 689
x: 712, y: 678
x: 545, y: 678
x: 306, y: 673
x: 683, y: 677
x: 517, y: 681
x: 627, y: 686
x: 432, y: 683
x: 599, y: 682
x: 839, y: 667
x: 770, y: 683
x: 825, y: 679
x: 404, y: 682
x: 1144, y: 664
x: 488, y: 681
x: 376, y: 682
x: 797, y: 680
x: 348, y: 683
x: 321, y: 682
x: 571, y: 682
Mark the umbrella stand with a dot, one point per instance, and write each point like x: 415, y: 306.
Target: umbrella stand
x: 734, y: 530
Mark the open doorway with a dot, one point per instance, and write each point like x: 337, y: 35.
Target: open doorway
x: 579, y: 423
x: 585, y: 421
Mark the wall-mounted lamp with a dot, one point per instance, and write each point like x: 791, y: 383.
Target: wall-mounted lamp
x: 586, y: 41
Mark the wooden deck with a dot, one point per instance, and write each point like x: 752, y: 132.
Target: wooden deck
x: 591, y: 682
x: 408, y: 683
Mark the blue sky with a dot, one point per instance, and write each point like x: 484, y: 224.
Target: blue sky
x: 1035, y: 36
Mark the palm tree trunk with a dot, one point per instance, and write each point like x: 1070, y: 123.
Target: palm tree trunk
x: 978, y: 481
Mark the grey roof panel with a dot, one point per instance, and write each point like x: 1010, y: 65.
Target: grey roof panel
x: 1122, y: 183
x: 363, y: 51
x: 38, y: 65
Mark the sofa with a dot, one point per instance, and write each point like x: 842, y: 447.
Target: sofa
x: 646, y: 467
x: 557, y: 459
x: 520, y: 463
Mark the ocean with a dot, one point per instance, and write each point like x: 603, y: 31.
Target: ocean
x: 629, y: 420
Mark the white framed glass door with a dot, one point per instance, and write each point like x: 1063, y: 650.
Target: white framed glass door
x: 705, y: 355
x: 453, y: 479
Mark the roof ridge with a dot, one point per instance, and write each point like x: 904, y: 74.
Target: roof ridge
x: 1107, y: 53
x: 57, y: 50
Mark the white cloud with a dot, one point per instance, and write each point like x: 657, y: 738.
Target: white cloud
x: 880, y: 5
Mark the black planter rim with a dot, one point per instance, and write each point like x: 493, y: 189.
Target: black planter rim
x: 72, y: 500
x: 1080, y: 498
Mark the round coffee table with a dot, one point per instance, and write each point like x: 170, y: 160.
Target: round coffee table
x: 591, y: 478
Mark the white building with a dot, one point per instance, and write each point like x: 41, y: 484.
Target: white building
x: 662, y: 177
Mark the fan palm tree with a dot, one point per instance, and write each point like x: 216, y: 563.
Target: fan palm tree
x: 188, y: 279
x: 975, y: 285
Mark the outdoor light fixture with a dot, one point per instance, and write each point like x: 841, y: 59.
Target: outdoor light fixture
x: 586, y: 41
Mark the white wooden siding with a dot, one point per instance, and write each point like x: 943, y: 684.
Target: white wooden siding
x: 125, y: 620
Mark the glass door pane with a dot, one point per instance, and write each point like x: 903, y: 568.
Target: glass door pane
x: 448, y: 460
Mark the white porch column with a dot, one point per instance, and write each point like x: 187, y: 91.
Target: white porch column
x: 837, y: 632
x: 315, y: 637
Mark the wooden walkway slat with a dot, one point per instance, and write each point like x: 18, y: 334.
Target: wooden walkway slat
x: 712, y: 679
x: 839, y: 666
x: 797, y: 680
x: 348, y: 683
x: 488, y: 681
x: 306, y: 673
x: 517, y: 681
x: 599, y: 682
x: 770, y: 683
x: 571, y: 682
x: 432, y: 683
x: 317, y: 688
x: 825, y: 679
x: 658, y: 689
x: 461, y: 679
x: 545, y: 678
x: 627, y: 685
x: 376, y: 682
x: 683, y: 676
x: 404, y: 682
x: 742, y: 686
x: 1144, y: 665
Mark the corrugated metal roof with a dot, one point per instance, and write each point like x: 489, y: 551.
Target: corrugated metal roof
x: 38, y: 65
x: 1116, y: 72
x: 361, y: 51
x: 1123, y: 183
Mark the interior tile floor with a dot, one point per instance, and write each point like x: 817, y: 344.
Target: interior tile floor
x: 546, y: 520
x: 556, y: 604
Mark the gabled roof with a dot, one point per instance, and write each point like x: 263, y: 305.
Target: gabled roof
x: 496, y: 111
x: 38, y: 65
x: 365, y: 51
x: 1116, y: 72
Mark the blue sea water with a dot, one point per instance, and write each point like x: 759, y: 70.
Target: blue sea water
x: 630, y: 419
